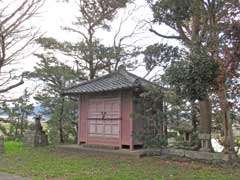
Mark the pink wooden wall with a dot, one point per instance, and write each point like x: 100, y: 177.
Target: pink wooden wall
x: 82, y: 123
x: 126, y: 118
x: 126, y: 124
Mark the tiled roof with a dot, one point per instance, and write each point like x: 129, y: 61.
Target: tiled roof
x: 120, y: 79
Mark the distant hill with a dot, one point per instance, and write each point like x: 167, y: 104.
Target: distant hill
x: 37, y: 110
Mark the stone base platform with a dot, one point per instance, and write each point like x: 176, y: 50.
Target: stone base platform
x: 99, y: 149
x: 165, y: 153
x: 207, y: 157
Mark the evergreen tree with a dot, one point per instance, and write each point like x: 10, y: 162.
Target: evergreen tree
x: 56, y: 77
x: 89, y: 54
x: 202, y: 27
x: 17, y: 116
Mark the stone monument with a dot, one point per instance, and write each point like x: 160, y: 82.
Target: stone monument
x: 36, y: 137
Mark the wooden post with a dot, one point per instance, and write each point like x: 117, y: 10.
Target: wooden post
x: 78, y: 121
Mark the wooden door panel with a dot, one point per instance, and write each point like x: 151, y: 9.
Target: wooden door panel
x: 108, y: 129
x: 115, y: 129
x: 104, y: 117
x: 99, y: 121
x: 108, y: 121
x: 92, y: 129
x: 95, y: 108
x: 100, y: 129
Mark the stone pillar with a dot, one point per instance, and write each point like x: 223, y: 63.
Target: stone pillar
x: 205, y: 125
x: 205, y: 140
x: 1, y: 144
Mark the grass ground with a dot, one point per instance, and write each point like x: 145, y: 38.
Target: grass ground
x: 49, y: 163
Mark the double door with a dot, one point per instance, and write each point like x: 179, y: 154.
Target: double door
x: 104, y: 117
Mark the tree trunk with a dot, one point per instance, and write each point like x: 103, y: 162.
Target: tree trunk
x: 92, y: 69
x: 227, y: 123
x: 61, y: 122
x: 225, y: 109
x: 194, y: 116
x: 16, y: 127
x: 22, y: 124
x: 205, y: 124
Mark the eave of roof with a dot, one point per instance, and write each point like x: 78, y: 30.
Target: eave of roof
x: 118, y: 80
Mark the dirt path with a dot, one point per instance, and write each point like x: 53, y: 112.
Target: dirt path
x: 5, y: 176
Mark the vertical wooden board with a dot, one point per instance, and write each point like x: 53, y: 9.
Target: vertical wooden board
x: 126, y: 119
x: 83, y: 118
x: 79, y: 118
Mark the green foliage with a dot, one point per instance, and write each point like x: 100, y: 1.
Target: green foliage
x: 17, y: 116
x: 89, y: 54
x: 237, y: 144
x: 210, y: 32
x: 98, y: 12
x: 176, y: 108
x: 150, y: 112
x: 13, y: 147
x: 57, y: 76
x: 193, y: 79
x: 206, y: 28
x: 171, y: 12
x: 161, y: 55
x: 69, y: 116
x: 104, y: 57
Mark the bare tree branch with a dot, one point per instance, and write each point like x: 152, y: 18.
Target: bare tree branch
x: 16, y: 35
x: 164, y: 36
x: 12, y: 86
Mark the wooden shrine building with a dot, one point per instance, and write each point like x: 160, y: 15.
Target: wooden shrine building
x: 106, y: 108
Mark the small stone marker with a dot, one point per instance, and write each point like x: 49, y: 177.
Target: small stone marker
x: 1, y: 144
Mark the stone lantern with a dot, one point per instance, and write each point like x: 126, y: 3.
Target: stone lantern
x: 186, y: 131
